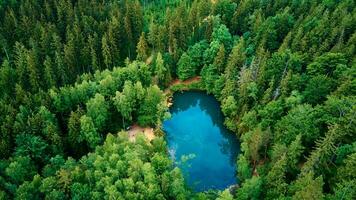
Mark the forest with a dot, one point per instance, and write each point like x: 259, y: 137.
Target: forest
x: 75, y: 74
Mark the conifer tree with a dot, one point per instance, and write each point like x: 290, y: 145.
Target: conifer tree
x: 62, y: 72
x: 185, y: 69
x: 219, y: 60
x: 163, y: 75
x: 34, y: 76
x: 142, y: 48
x: 7, y: 78
x: 276, y: 184
x: 308, y: 187
x: 234, y: 63
x: 251, y: 189
x: 106, y: 52
x: 20, y: 64
x: 93, y: 52
x: 49, y: 73
x: 70, y: 57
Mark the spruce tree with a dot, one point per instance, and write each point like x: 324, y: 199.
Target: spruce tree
x: 142, y: 48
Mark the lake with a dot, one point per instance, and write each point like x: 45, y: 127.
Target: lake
x: 199, y: 143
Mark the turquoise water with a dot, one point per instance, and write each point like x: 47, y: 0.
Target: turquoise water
x: 199, y: 143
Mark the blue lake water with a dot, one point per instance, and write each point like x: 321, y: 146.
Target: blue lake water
x: 199, y: 143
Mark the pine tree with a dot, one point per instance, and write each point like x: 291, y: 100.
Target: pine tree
x: 106, y: 52
x: 244, y: 86
x: 185, y: 69
x: 161, y: 70
x: 70, y: 60
x: 142, y: 48
x: 20, y: 64
x: 295, y: 152
x: 324, y: 150
x: 308, y: 187
x: 128, y: 31
x: 275, y: 179
x: 33, y: 71
x: 49, y: 73
x: 74, y: 137
x: 112, y: 39
x: 62, y: 73
x: 219, y: 60
x: 7, y: 78
x: 251, y: 189
x: 235, y: 62
x: 93, y: 52
x: 156, y: 36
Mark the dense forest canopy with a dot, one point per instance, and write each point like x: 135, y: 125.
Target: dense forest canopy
x: 75, y: 73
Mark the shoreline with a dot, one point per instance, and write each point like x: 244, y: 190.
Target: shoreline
x: 175, y: 86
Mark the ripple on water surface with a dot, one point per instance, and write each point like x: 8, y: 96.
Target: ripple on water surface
x: 199, y: 143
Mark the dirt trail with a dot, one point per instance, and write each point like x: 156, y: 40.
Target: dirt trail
x: 186, y: 82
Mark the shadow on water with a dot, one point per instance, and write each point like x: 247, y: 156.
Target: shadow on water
x: 196, y: 128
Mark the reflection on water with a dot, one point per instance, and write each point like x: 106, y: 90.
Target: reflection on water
x: 196, y: 128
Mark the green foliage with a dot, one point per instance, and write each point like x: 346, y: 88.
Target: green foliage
x: 7, y: 78
x: 97, y: 110
x: 211, y: 72
x: 344, y: 190
x: 225, y: 195
x: 300, y: 120
x: 244, y: 171
x: 143, y: 171
x: 185, y: 68
x: 253, y: 142
x: 326, y: 64
x: 29, y: 190
x: 33, y: 146
x: 222, y: 35
x: 275, y: 179
x: 20, y: 169
x: 284, y: 72
x: 234, y: 64
x: 318, y: 87
x: 124, y: 101
x: 251, y: 189
x: 152, y: 108
x: 142, y: 48
x: 162, y: 71
x: 88, y: 132
x: 229, y: 106
x: 308, y: 187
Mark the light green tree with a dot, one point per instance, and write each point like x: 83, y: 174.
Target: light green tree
x: 97, y: 110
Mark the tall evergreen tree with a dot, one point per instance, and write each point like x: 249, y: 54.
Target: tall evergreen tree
x: 49, y: 74
x: 142, y: 49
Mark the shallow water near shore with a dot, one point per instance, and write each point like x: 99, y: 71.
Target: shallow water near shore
x: 199, y: 143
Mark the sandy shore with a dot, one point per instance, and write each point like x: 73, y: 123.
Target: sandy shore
x: 136, y: 129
